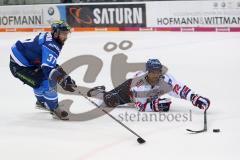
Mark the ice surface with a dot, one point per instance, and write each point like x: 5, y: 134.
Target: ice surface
x: 207, y: 62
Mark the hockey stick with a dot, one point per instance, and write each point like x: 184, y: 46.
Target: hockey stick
x: 139, y: 140
x: 205, y: 125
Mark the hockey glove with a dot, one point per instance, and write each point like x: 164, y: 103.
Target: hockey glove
x: 60, y: 76
x: 160, y: 105
x: 200, y: 102
x: 68, y: 84
x: 157, y: 105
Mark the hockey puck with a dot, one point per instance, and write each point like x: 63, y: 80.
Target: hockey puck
x: 216, y: 130
x: 141, y: 141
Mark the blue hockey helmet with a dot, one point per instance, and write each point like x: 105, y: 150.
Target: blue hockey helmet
x: 153, y: 64
x: 60, y: 26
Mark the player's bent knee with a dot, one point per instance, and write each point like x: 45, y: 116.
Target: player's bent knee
x: 111, y: 99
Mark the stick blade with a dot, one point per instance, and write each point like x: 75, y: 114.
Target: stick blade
x: 141, y: 140
x: 195, y: 132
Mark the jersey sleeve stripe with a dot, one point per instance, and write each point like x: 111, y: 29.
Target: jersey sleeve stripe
x: 45, y: 64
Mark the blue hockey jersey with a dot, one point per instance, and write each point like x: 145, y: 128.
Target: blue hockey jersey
x: 42, y: 51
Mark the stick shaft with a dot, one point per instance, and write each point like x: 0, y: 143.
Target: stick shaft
x: 110, y: 115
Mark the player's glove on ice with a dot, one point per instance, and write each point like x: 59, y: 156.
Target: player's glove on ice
x: 60, y: 76
x: 200, y: 102
x: 160, y: 104
x: 68, y: 84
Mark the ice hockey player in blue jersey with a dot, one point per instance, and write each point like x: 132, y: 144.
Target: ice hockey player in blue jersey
x: 34, y: 62
x: 146, y: 91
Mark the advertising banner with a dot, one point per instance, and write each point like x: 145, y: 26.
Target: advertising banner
x: 34, y: 16
x: 189, y: 16
x: 193, y: 14
x: 110, y: 15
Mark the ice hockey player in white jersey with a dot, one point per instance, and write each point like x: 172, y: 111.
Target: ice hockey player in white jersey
x: 146, y: 89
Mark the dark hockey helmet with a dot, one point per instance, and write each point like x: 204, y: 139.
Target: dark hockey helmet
x: 60, y: 26
x: 153, y: 64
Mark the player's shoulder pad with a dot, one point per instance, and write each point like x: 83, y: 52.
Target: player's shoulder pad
x: 139, y: 79
x: 42, y: 37
x: 168, y: 78
x: 138, y: 74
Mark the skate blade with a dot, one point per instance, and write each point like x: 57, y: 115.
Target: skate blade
x: 42, y: 108
x: 54, y: 116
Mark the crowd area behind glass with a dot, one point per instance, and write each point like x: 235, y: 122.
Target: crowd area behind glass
x: 29, y: 2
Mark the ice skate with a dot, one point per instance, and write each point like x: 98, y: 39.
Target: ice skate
x: 41, y: 106
x: 59, y: 113
x: 95, y: 91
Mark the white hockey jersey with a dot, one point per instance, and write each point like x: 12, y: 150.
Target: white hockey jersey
x: 143, y: 92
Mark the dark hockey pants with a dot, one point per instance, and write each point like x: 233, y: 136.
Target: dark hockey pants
x: 119, y: 95
x: 32, y: 76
